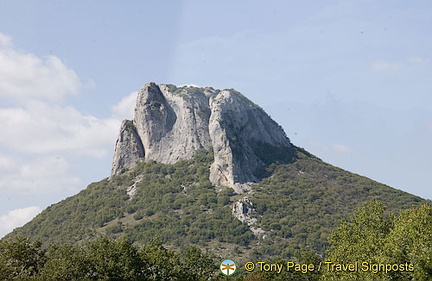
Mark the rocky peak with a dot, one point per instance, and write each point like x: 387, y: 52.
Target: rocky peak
x: 128, y: 149
x: 171, y: 123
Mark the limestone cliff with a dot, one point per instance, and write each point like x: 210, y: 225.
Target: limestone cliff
x: 244, y: 140
x: 172, y: 126
x: 128, y: 150
x: 171, y: 123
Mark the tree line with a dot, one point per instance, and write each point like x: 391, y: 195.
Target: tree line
x: 382, y: 246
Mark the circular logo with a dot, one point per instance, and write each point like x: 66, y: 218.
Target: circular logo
x: 228, y: 267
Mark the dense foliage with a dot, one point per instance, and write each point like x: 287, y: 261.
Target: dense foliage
x: 176, y: 203
x: 302, y: 202
x: 385, y: 247
x: 296, y: 204
x: 102, y: 259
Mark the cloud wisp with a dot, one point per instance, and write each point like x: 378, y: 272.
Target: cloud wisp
x: 17, y: 218
x: 125, y: 108
x: 25, y: 76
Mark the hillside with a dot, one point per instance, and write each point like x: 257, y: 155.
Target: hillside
x: 296, y: 206
x: 205, y: 167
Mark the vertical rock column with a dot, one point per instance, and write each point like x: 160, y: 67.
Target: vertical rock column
x: 128, y: 149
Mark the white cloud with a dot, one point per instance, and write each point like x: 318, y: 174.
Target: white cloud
x: 5, y: 163
x: 41, y: 127
x: 125, y: 108
x: 41, y: 135
x: 26, y: 76
x: 383, y: 65
x: 17, y: 218
x: 5, y: 41
x: 42, y: 175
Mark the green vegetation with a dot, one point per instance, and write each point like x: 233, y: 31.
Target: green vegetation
x: 297, y: 204
x: 130, y: 127
x: 302, y: 202
x: 176, y: 203
x: 196, y: 90
x: 385, y: 247
x: 101, y: 259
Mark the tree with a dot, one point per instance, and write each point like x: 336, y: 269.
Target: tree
x: 197, y: 265
x: 394, y: 248
x: 163, y: 264
x: 410, y: 242
x: 356, y: 241
x: 115, y: 260
x: 66, y: 262
x: 20, y: 259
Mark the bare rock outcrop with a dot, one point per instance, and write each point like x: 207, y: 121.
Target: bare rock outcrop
x: 244, y: 211
x: 128, y: 149
x: 244, y: 140
x: 172, y: 126
x: 171, y: 123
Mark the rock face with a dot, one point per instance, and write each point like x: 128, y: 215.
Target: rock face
x: 128, y: 150
x: 171, y: 124
x: 244, y: 211
x: 244, y: 140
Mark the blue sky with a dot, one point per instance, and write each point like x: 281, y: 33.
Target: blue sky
x: 350, y: 81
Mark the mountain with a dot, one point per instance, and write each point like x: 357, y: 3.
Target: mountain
x: 210, y: 168
x: 172, y: 123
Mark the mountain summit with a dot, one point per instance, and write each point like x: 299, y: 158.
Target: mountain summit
x: 171, y: 123
x: 204, y: 167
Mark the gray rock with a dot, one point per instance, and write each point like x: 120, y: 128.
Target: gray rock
x: 171, y: 124
x: 244, y: 140
x: 128, y: 149
x: 244, y: 211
